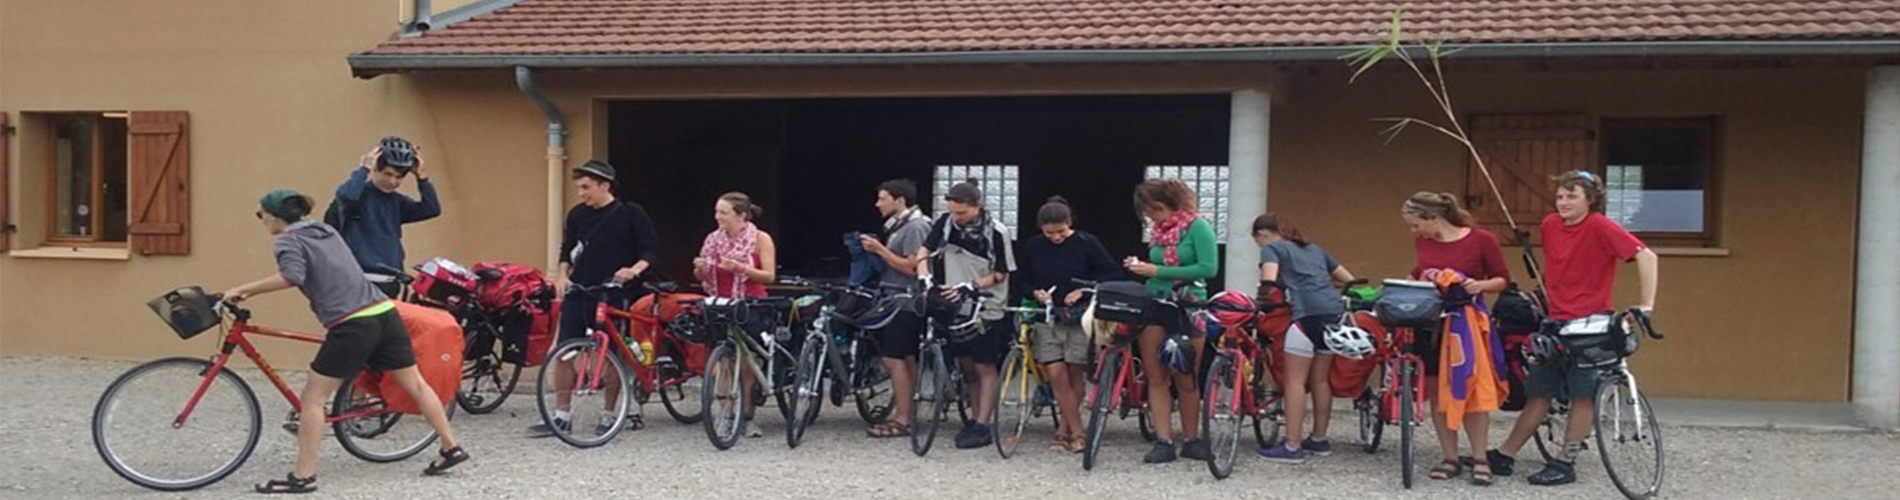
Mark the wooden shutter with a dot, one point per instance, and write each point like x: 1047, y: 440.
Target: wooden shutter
x: 1523, y: 152
x: 6, y: 221
x: 160, y: 161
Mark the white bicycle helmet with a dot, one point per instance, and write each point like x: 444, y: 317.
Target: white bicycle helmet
x: 1349, y: 340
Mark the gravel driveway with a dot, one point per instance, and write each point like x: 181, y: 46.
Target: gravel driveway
x: 49, y: 454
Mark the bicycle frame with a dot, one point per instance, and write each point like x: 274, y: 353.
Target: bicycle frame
x: 1130, y: 392
x: 1398, y: 355
x: 237, y: 338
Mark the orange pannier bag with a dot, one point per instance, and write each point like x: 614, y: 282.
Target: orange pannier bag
x: 647, y: 326
x: 437, y: 340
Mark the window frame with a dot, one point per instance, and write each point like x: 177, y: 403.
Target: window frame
x: 53, y: 235
x: 1709, y: 127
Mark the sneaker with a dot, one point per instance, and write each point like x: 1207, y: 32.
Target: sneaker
x: 635, y: 422
x: 752, y: 430
x: 1280, y: 453
x: 542, y: 429
x: 1317, y: 447
x: 1162, y: 453
x: 1501, y: 464
x: 974, y: 436
x: 1555, y: 472
x: 1196, y: 449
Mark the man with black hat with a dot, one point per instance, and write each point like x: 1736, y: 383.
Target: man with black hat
x: 605, y: 240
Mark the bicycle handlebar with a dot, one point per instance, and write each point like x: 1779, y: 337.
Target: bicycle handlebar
x: 1643, y: 322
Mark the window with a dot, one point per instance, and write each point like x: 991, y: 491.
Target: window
x: 999, y: 184
x: 1209, y: 184
x: 89, y: 198
x: 1659, y: 178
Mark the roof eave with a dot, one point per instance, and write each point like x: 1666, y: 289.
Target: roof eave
x: 372, y: 65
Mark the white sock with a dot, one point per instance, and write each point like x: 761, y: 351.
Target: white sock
x: 561, y: 415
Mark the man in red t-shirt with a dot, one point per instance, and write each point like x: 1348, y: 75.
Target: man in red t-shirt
x: 1582, y: 249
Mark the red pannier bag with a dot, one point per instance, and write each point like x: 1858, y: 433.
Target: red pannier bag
x: 1273, y: 326
x: 516, y: 282
x: 544, y: 324
x: 1348, y: 377
x: 437, y: 340
x: 647, y: 325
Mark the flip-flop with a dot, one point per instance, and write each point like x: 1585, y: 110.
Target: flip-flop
x: 889, y: 429
x: 289, y: 484
x: 450, y: 458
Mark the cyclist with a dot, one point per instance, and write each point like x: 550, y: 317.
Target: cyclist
x: 370, y: 213
x: 1581, y: 250
x: 605, y: 239
x: 736, y: 261
x: 1182, y: 254
x: 364, y: 331
x: 1051, y: 262
x: 1309, y: 274
x: 970, y: 247
x: 904, y: 230
x: 1446, y: 242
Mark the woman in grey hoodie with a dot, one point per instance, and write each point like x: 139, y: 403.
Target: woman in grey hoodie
x: 364, y: 331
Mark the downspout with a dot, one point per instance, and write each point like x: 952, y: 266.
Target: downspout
x: 556, y: 160
x: 423, y: 20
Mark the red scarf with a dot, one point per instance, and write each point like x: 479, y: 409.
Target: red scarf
x: 1168, y: 234
x: 720, y: 247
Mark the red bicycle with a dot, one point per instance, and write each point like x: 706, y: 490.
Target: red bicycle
x: 1398, y: 398
x: 1241, y: 384
x: 613, y: 372
x: 1120, y: 387
x: 158, y: 408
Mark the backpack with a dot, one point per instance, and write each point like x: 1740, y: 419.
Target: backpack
x: 437, y: 341
x: 504, y: 285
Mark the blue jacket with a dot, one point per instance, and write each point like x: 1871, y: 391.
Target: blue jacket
x: 371, y: 220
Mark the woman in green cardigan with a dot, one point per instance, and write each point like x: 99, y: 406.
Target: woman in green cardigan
x: 1181, y: 256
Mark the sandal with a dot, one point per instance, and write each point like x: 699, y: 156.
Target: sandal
x: 1078, y: 444
x: 1481, y: 475
x: 889, y: 429
x: 289, y: 484
x: 1446, y: 470
x: 450, y: 458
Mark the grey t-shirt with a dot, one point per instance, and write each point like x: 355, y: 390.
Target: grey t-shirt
x: 313, y: 258
x: 1307, y: 273
x: 904, y: 241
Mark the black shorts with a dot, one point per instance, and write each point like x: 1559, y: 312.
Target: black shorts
x: 379, y: 342
x: 899, y: 339
x: 988, y: 347
x: 1425, y: 342
x: 577, y: 315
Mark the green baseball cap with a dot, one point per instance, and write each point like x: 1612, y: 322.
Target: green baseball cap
x: 277, y: 201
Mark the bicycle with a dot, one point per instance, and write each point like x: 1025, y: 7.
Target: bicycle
x: 1400, y: 394
x: 606, y: 363
x: 1120, y: 386
x: 857, y: 369
x: 724, y: 399
x: 1623, y: 418
x: 1240, y: 383
x: 938, y: 381
x: 220, y: 411
x: 1016, y: 397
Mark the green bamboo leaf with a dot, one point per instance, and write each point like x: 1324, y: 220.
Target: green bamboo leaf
x: 1397, y: 127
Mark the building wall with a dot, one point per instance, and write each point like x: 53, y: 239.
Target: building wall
x: 273, y: 105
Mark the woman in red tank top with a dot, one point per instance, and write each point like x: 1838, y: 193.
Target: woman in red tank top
x: 737, y: 260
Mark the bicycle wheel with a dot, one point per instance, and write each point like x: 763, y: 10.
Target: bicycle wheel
x: 1220, y: 421
x: 932, y: 399
x: 1103, y: 399
x: 722, y: 397
x: 871, y: 388
x: 134, y: 426
x: 1629, y: 440
x: 784, y: 372
x: 486, y: 383
x: 598, y: 394
x: 1015, y: 398
x: 1371, y: 419
x: 680, y: 395
x: 1407, y: 421
x: 1270, y: 413
x: 368, y: 429
x: 807, y: 388
x: 1550, y: 435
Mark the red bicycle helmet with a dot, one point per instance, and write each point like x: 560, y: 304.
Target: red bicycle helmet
x: 1233, y: 309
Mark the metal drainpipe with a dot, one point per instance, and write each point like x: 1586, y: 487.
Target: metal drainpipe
x: 557, y: 160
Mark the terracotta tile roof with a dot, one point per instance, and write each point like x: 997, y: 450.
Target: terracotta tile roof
x: 654, y: 27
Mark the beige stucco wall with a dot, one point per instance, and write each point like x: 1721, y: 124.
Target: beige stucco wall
x: 273, y: 105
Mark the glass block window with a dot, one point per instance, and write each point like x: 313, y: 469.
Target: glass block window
x: 1209, y: 183
x: 1000, y: 184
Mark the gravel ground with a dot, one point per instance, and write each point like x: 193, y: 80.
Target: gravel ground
x: 49, y: 454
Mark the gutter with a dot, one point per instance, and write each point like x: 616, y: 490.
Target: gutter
x: 556, y: 161
x: 372, y: 65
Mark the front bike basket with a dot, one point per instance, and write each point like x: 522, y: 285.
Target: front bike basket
x: 187, y: 310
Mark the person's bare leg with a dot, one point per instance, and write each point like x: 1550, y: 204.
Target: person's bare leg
x: 1477, y: 429
x: 985, y: 388
x: 1068, y: 401
x: 1322, y: 384
x: 1160, y: 403
x: 418, y: 389
x: 1298, y: 368
x: 1447, y: 438
x: 1535, y: 410
x: 1581, y: 418
x: 317, y: 390
x: 1190, y: 392
x: 900, y: 370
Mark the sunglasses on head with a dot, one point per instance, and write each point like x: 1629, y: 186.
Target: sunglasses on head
x: 1588, y: 176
